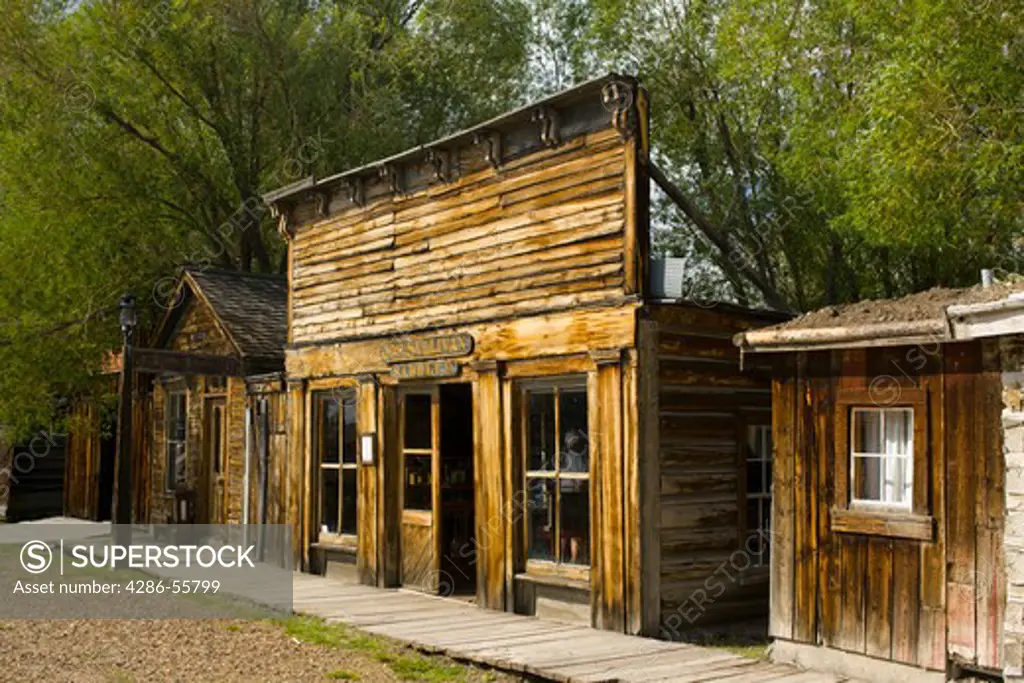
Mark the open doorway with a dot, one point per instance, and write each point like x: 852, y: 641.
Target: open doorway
x: 458, y: 512
x: 438, y: 513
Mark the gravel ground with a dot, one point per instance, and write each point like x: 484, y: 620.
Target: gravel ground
x: 212, y: 650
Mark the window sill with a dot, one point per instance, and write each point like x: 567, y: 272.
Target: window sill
x: 556, y: 581
x: 883, y: 523
x: 552, y: 573
x: 348, y: 543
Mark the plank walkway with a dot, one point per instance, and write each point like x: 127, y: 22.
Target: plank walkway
x: 539, y: 647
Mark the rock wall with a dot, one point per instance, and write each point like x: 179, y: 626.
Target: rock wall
x: 1012, y: 353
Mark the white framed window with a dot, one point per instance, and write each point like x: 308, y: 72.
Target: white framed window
x: 882, y: 457
x: 176, y: 412
x: 759, y: 493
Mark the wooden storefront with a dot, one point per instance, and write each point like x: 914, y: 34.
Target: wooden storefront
x: 484, y: 400
x: 895, y: 518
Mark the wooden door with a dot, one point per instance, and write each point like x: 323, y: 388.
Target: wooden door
x: 420, y: 436
x: 215, y: 446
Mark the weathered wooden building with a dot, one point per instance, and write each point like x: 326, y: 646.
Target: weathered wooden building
x: 221, y: 328
x: 485, y: 398
x: 897, y: 531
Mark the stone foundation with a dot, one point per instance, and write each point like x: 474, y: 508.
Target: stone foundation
x: 1012, y: 354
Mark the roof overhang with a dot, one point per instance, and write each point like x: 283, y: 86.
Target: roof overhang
x: 295, y: 191
x: 962, y: 322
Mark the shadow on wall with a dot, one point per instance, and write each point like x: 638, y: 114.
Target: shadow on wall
x: 32, y: 478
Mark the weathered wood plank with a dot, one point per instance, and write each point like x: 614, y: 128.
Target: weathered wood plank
x: 879, y: 599
x: 786, y: 448
x: 489, y: 489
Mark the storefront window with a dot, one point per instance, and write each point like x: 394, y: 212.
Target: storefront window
x: 558, y: 474
x: 336, y: 460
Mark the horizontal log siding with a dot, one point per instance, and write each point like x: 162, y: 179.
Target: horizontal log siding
x: 705, y: 401
x: 543, y: 233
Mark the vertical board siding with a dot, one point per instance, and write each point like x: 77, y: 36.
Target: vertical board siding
x: 904, y: 600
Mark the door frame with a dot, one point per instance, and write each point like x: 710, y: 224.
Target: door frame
x: 215, y: 489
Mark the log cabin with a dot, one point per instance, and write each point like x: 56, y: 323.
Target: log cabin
x: 898, y: 521
x: 485, y: 397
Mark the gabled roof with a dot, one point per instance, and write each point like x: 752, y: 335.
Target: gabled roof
x: 935, y: 315
x: 252, y: 309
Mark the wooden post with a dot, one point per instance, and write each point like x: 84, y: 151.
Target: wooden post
x: 123, y: 492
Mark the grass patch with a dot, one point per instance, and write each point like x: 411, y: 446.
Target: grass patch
x: 419, y: 668
x: 406, y: 664
x: 342, y: 675
x: 758, y: 651
x: 120, y: 676
x: 319, y: 632
x: 234, y: 628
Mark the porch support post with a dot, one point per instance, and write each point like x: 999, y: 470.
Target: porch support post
x: 488, y: 484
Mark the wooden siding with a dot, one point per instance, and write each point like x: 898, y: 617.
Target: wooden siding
x: 890, y: 597
x: 199, y: 332
x: 85, y: 447
x: 546, y: 233
x: 704, y: 403
x: 82, y: 459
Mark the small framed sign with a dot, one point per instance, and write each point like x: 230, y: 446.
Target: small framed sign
x: 367, y: 449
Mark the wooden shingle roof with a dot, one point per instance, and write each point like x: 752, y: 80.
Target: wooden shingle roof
x: 253, y: 308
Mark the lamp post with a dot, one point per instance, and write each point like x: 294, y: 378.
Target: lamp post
x: 123, y: 509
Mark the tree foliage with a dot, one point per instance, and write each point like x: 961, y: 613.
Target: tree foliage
x: 828, y: 150
x: 138, y: 136
x: 845, y: 149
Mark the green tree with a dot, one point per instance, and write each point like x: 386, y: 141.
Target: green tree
x: 842, y: 149
x: 138, y: 136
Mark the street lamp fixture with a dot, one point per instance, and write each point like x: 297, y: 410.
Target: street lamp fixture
x: 129, y: 318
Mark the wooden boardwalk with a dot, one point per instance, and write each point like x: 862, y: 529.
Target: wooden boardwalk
x: 543, y: 648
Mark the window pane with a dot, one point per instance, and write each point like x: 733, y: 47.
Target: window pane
x: 572, y: 407
x: 755, y: 477
x: 541, y: 496
x: 348, y: 442
x: 867, y: 431
x: 541, y: 406
x: 867, y: 478
x: 329, y: 501
x: 349, y: 501
x: 575, y: 519
x: 329, y: 431
x: 178, y: 417
x: 417, y: 421
x: 896, y: 477
x: 899, y: 430
x: 216, y: 439
x: 175, y: 464
x: 417, y: 482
